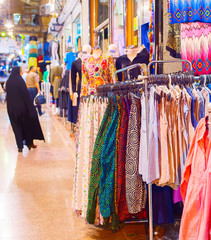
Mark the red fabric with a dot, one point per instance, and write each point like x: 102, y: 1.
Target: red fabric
x: 39, y: 58
x: 121, y: 189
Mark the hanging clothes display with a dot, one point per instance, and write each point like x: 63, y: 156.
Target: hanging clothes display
x: 33, y: 52
x: 111, y: 179
x: 151, y: 30
x: 196, y: 188
x: 56, y: 77
x: 181, y: 11
x: 64, y: 92
x: 95, y: 72
x: 70, y: 57
x: 195, y: 46
x: 89, y: 119
x: 46, y: 51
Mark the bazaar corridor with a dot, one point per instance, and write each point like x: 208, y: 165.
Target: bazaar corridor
x: 36, y: 189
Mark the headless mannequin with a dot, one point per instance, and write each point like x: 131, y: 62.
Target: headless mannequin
x: 86, y: 52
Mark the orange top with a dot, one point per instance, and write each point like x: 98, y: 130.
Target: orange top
x: 196, y: 188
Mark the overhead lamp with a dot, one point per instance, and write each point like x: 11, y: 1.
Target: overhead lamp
x: 9, y: 25
x: 3, y: 34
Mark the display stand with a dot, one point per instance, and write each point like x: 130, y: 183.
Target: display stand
x: 145, y: 80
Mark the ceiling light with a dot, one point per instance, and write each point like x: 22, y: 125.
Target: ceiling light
x: 9, y: 25
x: 3, y: 34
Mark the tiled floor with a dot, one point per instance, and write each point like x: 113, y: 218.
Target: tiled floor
x: 36, y: 189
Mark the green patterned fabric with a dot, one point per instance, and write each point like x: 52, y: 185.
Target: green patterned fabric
x: 107, y: 177
x: 96, y: 167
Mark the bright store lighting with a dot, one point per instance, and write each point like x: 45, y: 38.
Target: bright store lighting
x: 3, y: 34
x: 27, y: 47
x: 9, y: 25
x: 10, y: 33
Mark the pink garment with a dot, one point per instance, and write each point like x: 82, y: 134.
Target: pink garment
x: 177, y: 196
x: 195, y: 188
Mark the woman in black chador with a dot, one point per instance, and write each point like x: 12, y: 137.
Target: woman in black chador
x: 21, y: 111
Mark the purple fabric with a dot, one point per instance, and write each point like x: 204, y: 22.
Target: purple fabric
x: 177, y: 196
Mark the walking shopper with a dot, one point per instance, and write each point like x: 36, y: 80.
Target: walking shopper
x: 32, y: 83
x: 21, y: 111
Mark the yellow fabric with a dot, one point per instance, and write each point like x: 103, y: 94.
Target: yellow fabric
x: 32, y: 62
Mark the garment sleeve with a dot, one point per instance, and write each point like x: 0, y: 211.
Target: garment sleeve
x: 118, y: 67
x: 73, y: 77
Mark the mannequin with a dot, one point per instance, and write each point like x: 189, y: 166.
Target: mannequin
x: 70, y: 57
x: 96, y: 52
x: 113, y: 52
x: 55, y: 55
x: 112, y: 48
x: 75, y: 84
x: 97, y: 70
x: 132, y: 51
x: 46, y: 74
x: 132, y: 56
x: 56, y: 77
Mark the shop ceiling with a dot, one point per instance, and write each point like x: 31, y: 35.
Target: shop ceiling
x: 30, y: 22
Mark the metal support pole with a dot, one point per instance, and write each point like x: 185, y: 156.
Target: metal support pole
x: 139, y: 65
x: 147, y: 149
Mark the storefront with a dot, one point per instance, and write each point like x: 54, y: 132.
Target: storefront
x: 123, y: 23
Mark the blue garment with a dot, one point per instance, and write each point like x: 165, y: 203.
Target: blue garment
x: 209, y: 86
x: 144, y: 36
x: 107, y: 178
x: 193, y: 119
x: 202, y: 107
x: 181, y: 11
x: 72, y: 112
x: 70, y: 58
x: 39, y: 46
x: 46, y: 51
x: 162, y: 204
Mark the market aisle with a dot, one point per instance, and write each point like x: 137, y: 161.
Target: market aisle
x: 36, y: 189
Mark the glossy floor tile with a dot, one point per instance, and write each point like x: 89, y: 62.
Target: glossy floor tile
x: 36, y: 189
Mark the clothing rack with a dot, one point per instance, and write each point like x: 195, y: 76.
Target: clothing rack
x: 147, y: 114
x: 145, y: 80
x: 159, y: 79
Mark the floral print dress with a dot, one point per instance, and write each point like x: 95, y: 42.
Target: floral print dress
x: 95, y: 72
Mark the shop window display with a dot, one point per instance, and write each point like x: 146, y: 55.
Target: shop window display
x: 102, y: 10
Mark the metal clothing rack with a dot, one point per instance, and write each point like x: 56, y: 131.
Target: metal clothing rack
x: 147, y: 129
x: 145, y: 79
